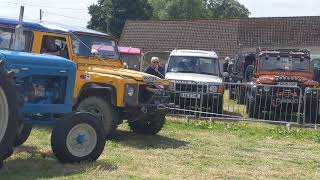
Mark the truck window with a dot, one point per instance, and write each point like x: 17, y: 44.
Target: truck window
x: 199, y: 65
x: 7, y: 36
x: 54, y: 46
x: 284, y: 63
x: 84, y: 44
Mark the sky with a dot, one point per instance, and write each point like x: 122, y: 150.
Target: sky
x: 275, y: 8
x: 75, y: 12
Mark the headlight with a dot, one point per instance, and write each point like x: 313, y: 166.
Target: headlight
x: 213, y: 89
x: 266, y: 88
x: 171, y: 86
x: 308, y: 90
x: 130, y: 91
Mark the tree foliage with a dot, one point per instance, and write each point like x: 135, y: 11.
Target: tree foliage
x: 179, y: 9
x: 110, y: 15
x: 196, y: 9
x: 226, y: 9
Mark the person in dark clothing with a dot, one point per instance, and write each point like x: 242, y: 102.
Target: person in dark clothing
x: 49, y: 46
x: 155, y: 68
x: 225, y: 69
x: 226, y: 64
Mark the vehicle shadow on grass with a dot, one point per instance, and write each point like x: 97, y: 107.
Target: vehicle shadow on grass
x: 139, y: 141
x: 28, y: 162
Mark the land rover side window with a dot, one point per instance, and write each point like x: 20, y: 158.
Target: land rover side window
x: 54, y: 46
x: 315, y: 63
x: 284, y: 63
x: 199, y: 65
x: 7, y: 36
x: 84, y: 45
x: 133, y: 61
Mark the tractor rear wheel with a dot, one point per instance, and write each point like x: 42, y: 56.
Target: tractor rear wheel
x: 9, y: 110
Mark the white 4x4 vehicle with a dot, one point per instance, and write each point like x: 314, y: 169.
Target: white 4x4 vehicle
x: 196, y: 80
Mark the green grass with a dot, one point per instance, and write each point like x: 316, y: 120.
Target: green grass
x: 194, y: 150
x: 231, y: 107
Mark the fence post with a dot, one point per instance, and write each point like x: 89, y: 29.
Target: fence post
x: 211, y: 121
x: 187, y: 119
x: 288, y: 126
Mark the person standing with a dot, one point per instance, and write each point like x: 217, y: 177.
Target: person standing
x: 155, y: 68
x: 226, y: 64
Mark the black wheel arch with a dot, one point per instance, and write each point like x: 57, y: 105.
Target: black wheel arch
x: 97, y: 89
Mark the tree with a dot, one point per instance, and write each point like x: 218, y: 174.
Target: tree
x: 178, y: 9
x: 197, y: 9
x: 110, y: 15
x: 226, y: 9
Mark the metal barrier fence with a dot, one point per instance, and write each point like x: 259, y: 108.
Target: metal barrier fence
x: 285, y: 103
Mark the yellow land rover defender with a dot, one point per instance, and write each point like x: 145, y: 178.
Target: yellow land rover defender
x: 102, y: 86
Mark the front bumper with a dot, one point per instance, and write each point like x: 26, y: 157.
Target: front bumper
x: 148, y: 99
x: 208, y: 102
x: 272, y: 102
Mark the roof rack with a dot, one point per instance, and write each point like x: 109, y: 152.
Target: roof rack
x: 267, y: 51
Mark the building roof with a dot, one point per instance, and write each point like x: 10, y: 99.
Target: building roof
x: 224, y: 36
x: 193, y: 53
x: 49, y: 27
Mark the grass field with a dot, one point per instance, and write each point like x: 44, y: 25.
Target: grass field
x: 182, y: 150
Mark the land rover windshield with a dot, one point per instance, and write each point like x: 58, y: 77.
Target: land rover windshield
x: 284, y: 63
x: 84, y: 44
x: 199, y: 65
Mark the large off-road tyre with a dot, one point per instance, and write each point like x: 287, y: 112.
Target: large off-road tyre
x: 311, y: 115
x: 9, y: 113
x: 241, y: 96
x: 99, y: 106
x: 253, y: 109
x: 78, y: 138
x: 149, y: 124
x: 23, y: 133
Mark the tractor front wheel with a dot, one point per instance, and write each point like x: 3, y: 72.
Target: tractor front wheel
x: 79, y: 138
x: 23, y: 133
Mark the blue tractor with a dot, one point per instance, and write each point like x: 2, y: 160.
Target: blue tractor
x: 37, y: 90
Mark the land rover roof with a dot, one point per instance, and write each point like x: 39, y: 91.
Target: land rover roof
x: 194, y: 53
x: 50, y: 27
